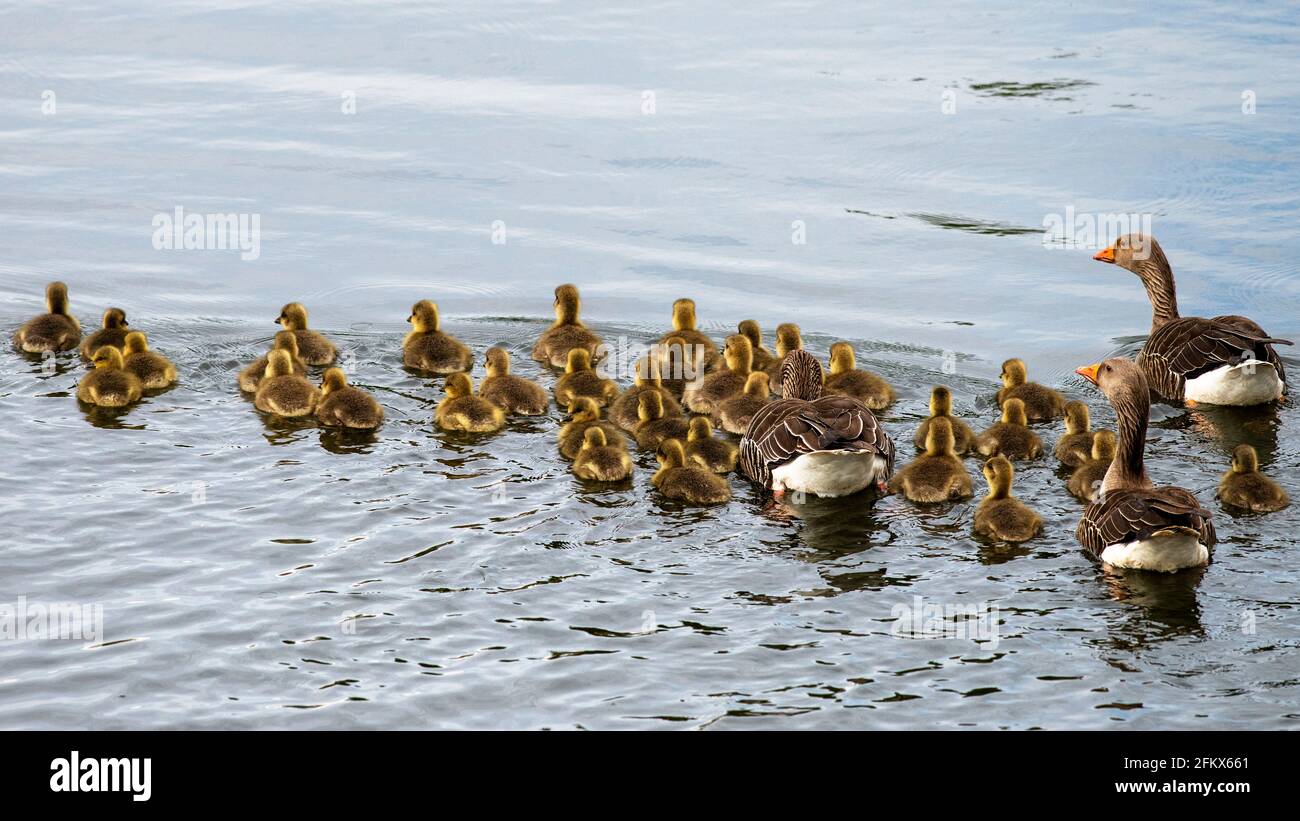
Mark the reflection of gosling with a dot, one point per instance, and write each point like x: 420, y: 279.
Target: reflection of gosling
x: 345, y: 406
x: 941, y: 405
x: 56, y: 330
x: 313, y: 347
x: 654, y: 426
x: 584, y: 413
x: 109, y: 385
x: 1086, y: 479
x: 568, y: 332
x: 938, y: 474
x: 284, y: 341
x: 686, y: 481
x: 580, y: 380
x: 1041, y: 402
x: 464, y: 411
x: 112, y: 333
x: 599, y: 461
x: 1010, y: 437
x: 426, y: 348
x: 514, y: 394
x: 1002, y: 516
x: 718, y: 455
x: 1074, y: 446
x: 282, y: 392
x: 153, y: 369
x: 1245, y: 487
x: 846, y: 380
x: 736, y: 412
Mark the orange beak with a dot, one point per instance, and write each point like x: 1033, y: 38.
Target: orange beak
x: 1089, y: 372
x: 1106, y: 255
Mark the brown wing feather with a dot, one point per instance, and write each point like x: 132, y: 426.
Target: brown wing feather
x: 1188, y: 347
x: 788, y: 428
x: 1127, y: 514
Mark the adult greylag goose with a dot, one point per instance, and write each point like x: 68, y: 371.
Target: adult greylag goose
x: 823, y: 445
x: 1041, y: 402
x: 846, y: 380
x: 567, y: 333
x: 1135, y: 524
x: 1244, y: 487
x: 1223, y: 360
x: 56, y: 330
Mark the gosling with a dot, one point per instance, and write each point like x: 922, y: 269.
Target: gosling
x: 514, y: 394
x: 313, y: 347
x: 1041, y: 402
x: 718, y: 455
x: 580, y: 380
x: 1002, y: 516
x: 599, y: 461
x: 584, y: 414
x: 109, y: 385
x: 846, y: 380
x: 56, y: 330
x: 736, y: 413
x: 568, y: 333
x: 282, y: 392
x: 936, y: 475
x: 342, y: 405
x: 461, y: 410
x: 113, y: 333
x: 685, y: 481
x: 1011, y: 437
x: 708, y: 393
x: 654, y: 426
x: 426, y: 348
x: 941, y: 405
x: 1086, y: 480
x: 1074, y: 446
x: 624, y: 410
x: 153, y: 370
x: 285, y: 341
x: 1244, y: 487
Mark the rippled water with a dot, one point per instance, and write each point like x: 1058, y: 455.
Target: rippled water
x: 284, y: 576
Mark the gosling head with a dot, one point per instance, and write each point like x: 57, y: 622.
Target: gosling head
x: 333, y: 380
x: 458, y: 385
x: 939, y: 439
x: 1103, y: 445
x: 584, y: 409
x: 108, y: 358
x: 278, y: 364
x: 751, y: 330
x: 567, y: 304
x: 843, y: 359
x: 649, y: 406
x: 1013, y: 373
x: 940, y: 401
x: 593, y: 437
x: 579, y: 360
x: 998, y: 472
x: 739, y: 353
x: 648, y: 372
x: 1013, y: 412
x: 788, y: 339
x: 498, y: 362
x: 135, y: 343
x: 56, y: 298
x: 698, y: 429
x: 424, y: 317
x: 115, y: 318
x: 293, y: 317
x: 1077, y: 419
x: 1245, y: 459
x: 684, y: 315
x: 286, y: 341
x: 758, y: 385
x: 671, y: 454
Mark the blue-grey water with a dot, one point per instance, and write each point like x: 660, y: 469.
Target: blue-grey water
x: 876, y: 173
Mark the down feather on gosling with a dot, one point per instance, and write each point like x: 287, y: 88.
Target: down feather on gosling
x: 1002, y: 516
x: 599, y: 461
x: 282, y: 392
x: 846, y: 380
x: 1075, y: 445
x: 426, y: 348
x: 941, y: 405
x: 624, y: 410
x: 567, y: 333
x: 313, y: 347
x: 1244, y: 487
x: 580, y: 379
x: 1041, y: 402
x: 109, y: 385
x: 113, y: 332
x: 685, y: 481
x: 285, y: 341
x: 153, y: 369
x: 718, y: 455
x: 584, y: 413
x: 56, y: 330
x: 342, y: 405
x: 461, y: 410
x: 937, y: 475
x: 1011, y: 437
x: 514, y: 394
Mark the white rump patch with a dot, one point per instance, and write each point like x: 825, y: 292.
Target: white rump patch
x: 1252, y: 382
x: 1165, y: 551
x: 830, y: 472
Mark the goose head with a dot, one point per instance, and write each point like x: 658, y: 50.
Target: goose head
x: 758, y: 385
x: 940, y: 401
x: 584, y: 409
x: 278, y: 364
x: 135, y: 342
x: 649, y: 406
x: 739, y: 353
x: 1013, y: 373
x: 293, y: 317
x: 333, y: 380
x: 579, y: 360
x: 939, y: 438
x: 567, y: 304
x: 684, y: 315
x: 593, y: 437
x: 1013, y: 412
x: 115, y: 318
x: 671, y: 454
x: 843, y: 359
x: 108, y: 358
x: 1245, y: 459
x: 424, y: 317
x: 56, y: 298
x: 788, y: 338
x: 458, y: 385
x: 498, y: 361
x: 1077, y: 419
x: 998, y: 472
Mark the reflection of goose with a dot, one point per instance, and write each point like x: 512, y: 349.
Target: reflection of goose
x: 1135, y: 524
x: 1243, y: 486
x: 823, y: 445
x: 56, y: 330
x: 1224, y: 360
